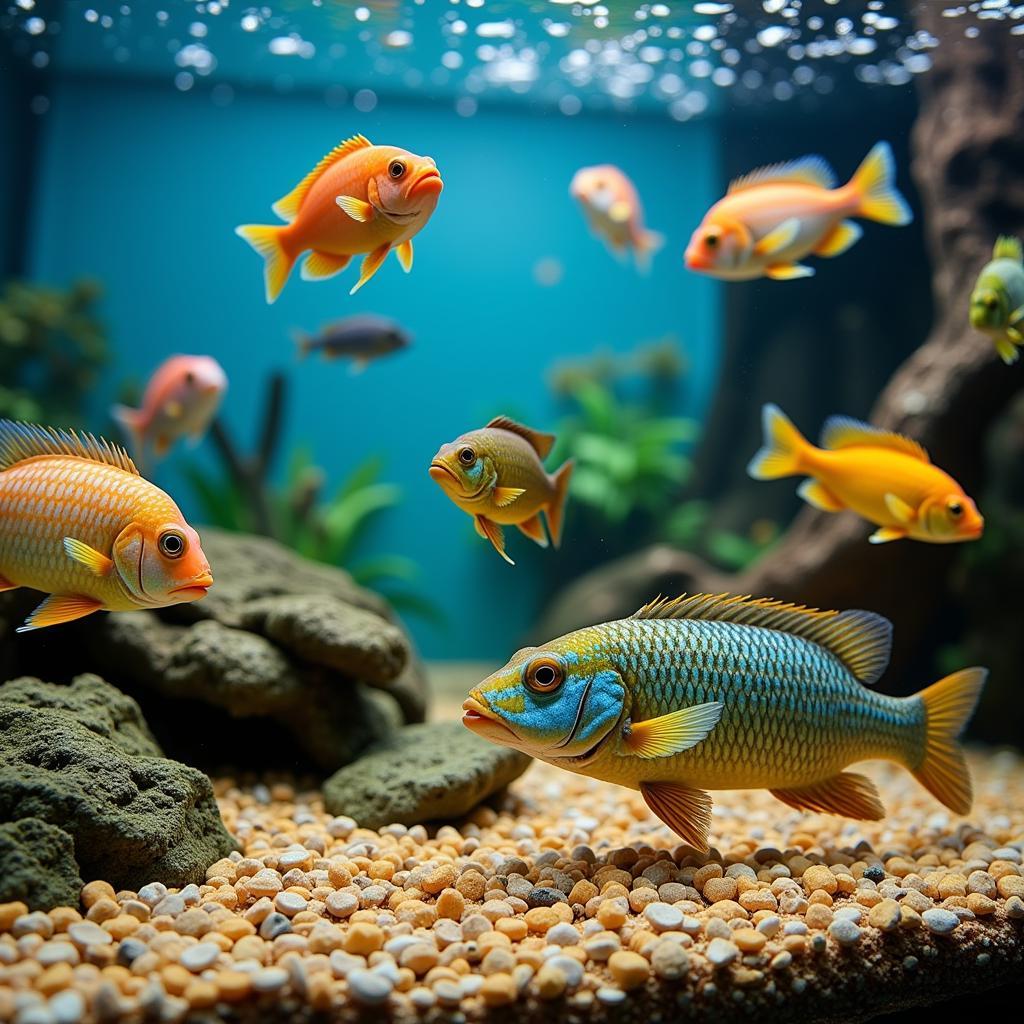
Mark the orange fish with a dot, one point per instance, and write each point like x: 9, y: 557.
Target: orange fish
x: 181, y: 399
x: 78, y: 522
x: 360, y: 198
x: 773, y: 217
x: 886, y: 478
x: 612, y: 208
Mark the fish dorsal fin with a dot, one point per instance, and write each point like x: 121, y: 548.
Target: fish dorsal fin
x: 808, y: 170
x: 843, y: 432
x: 860, y: 640
x: 287, y: 207
x: 1008, y: 248
x: 541, y: 443
x: 21, y: 441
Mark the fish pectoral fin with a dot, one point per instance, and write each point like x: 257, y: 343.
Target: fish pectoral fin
x: 319, y: 266
x: 534, y: 529
x: 686, y: 811
x: 848, y: 794
x: 357, y: 209
x: 161, y: 446
x: 788, y: 271
x: 673, y: 733
x: 504, y: 496
x: 494, y: 533
x: 58, y: 608
x: 885, y: 534
x: 95, y: 561
x: 404, y: 254
x: 1007, y: 349
x: 778, y: 238
x: 1016, y: 317
x: 619, y: 211
x: 174, y: 409
x: 903, y: 513
x: 358, y: 365
x: 818, y: 496
x: 6, y: 584
x: 845, y: 234
x: 370, y: 266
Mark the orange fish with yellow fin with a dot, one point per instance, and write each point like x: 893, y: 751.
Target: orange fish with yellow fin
x: 359, y: 199
x: 886, y: 478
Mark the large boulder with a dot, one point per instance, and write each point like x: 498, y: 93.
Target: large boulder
x: 133, y: 817
x: 279, y: 638
x: 37, y: 865
x: 422, y: 773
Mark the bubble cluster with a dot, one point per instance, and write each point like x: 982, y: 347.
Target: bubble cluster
x: 570, y: 56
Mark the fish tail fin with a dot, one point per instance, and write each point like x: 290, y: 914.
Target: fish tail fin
x: 948, y: 705
x: 130, y: 421
x: 783, y: 445
x: 873, y: 182
x: 267, y: 241
x: 555, y: 512
x: 647, y: 245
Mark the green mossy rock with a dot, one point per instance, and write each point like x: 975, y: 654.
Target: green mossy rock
x: 133, y: 819
x: 423, y: 773
x: 37, y: 865
x: 100, y: 707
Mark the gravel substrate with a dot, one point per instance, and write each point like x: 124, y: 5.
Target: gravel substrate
x: 568, y: 901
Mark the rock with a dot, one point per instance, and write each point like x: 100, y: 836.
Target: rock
x: 37, y: 865
x: 100, y: 707
x: 133, y: 819
x: 422, y: 773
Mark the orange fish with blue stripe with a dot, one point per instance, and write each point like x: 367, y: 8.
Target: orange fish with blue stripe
x: 79, y: 523
x: 360, y: 198
x: 886, y: 478
x: 718, y: 692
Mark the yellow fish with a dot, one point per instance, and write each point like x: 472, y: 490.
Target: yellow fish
x: 718, y: 692
x: 773, y: 217
x: 79, y: 523
x: 360, y: 198
x: 497, y: 476
x: 886, y: 478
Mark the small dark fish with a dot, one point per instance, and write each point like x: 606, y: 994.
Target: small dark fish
x: 359, y: 338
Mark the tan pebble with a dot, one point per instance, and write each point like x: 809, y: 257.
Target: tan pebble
x: 817, y: 876
x: 95, y: 891
x: 363, y: 939
x: 451, y: 904
x: 759, y: 900
x: 420, y: 957
x: 613, y: 913
x: 980, y: 904
x: 201, y: 995
x: 250, y: 947
x: 708, y: 871
x: 62, y: 917
x: 338, y: 874
x: 443, y: 876
x: 176, y: 978
x: 910, y: 918
x: 103, y: 909
x: 717, y: 889
x: 223, y: 869
x: 233, y: 986
x: 582, y: 892
x: 54, y: 978
x: 747, y: 976
x: 235, y: 928
x: 818, y: 916
x: 417, y: 913
x: 999, y: 868
x: 1010, y: 885
x: 749, y: 940
x: 472, y: 885
x: 795, y: 944
x: 10, y: 912
x: 540, y: 919
x: 640, y: 898
x: 550, y: 982
x: 629, y: 969
x: 514, y: 927
x: 885, y: 915
x: 727, y: 910
x: 952, y: 885
x: 498, y: 989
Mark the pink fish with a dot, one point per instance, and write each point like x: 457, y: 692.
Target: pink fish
x: 181, y: 399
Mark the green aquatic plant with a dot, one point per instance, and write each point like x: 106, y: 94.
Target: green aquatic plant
x: 52, y: 346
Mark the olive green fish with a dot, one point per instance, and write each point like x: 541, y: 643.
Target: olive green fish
x: 497, y: 476
x: 997, y: 302
x: 719, y: 692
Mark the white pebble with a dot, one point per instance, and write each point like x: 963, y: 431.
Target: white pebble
x: 341, y: 828
x: 769, y: 925
x: 940, y: 921
x: 853, y: 914
x: 722, y: 952
x: 844, y: 931
x: 199, y: 957
x: 370, y: 987
x: 663, y: 916
x: 570, y: 967
x: 562, y: 934
x: 85, y: 933
x: 289, y: 903
x: 268, y: 979
x: 68, y: 1006
x: 610, y: 996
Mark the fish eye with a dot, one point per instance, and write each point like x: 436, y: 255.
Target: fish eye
x: 711, y: 241
x: 991, y: 301
x: 956, y: 509
x: 396, y: 169
x: 171, y: 544
x: 467, y: 456
x: 190, y: 377
x: 545, y: 675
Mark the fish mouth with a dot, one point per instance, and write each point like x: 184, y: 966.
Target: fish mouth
x: 427, y: 181
x: 695, y: 262
x: 197, y: 588
x: 441, y: 474
x: 480, y: 720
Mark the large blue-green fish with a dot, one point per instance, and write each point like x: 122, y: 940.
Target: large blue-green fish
x: 719, y: 692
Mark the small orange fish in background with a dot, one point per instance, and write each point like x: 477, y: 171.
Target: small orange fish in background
x: 886, y: 478
x: 180, y: 400
x: 612, y: 208
x: 79, y: 523
x: 360, y: 198
x: 775, y: 216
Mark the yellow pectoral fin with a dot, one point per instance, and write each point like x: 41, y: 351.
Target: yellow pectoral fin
x: 357, y: 209
x: 788, y: 271
x: 847, y: 793
x: 534, y: 529
x: 494, y: 533
x: 620, y: 211
x: 885, y: 534
x: 319, y: 266
x: 60, y: 608
x: 174, y: 409
x: 1007, y: 350
x: 839, y: 239
x: 686, y: 811
x: 370, y: 266
x: 673, y: 733
x: 95, y: 561
x: 404, y: 253
x: 903, y: 513
x: 819, y: 496
x: 504, y: 496
x: 778, y: 238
